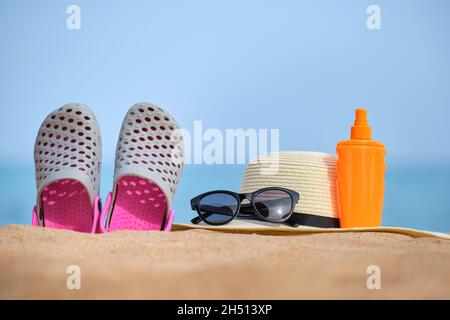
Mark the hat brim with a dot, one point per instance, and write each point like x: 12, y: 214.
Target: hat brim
x: 265, y: 228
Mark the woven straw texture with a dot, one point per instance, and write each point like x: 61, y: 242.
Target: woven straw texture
x: 311, y: 174
x: 275, y: 229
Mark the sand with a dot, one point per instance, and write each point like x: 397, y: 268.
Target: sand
x: 201, y: 264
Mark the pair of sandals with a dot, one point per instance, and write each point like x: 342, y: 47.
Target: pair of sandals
x: 148, y: 166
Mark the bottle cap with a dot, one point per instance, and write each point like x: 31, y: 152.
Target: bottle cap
x: 361, y: 129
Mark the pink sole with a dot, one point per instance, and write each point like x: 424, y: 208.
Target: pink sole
x: 140, y: 205
x: 66, y: 205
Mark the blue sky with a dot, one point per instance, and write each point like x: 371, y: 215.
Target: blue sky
x: 300, y: 66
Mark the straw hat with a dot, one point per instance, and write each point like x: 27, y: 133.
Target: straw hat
x: 311, y: 174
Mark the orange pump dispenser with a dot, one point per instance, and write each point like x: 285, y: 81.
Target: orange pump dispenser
x: 360, y: 176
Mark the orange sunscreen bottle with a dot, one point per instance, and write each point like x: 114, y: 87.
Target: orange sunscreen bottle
x: 360, y: 176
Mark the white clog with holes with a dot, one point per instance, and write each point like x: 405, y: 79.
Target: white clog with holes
x: 67, y: 156
x: 148, y: 166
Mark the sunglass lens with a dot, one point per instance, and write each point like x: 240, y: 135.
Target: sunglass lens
x: 274, y: 205
x: 218, y: 208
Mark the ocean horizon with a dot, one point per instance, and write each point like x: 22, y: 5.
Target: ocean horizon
x: 415, y: 196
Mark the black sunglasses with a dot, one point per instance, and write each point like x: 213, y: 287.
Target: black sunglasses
x: 219, y: 207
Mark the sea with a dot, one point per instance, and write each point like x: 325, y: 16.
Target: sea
x: 415, y: 196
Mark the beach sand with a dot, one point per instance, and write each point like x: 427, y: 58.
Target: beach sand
x: 200, y: 264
